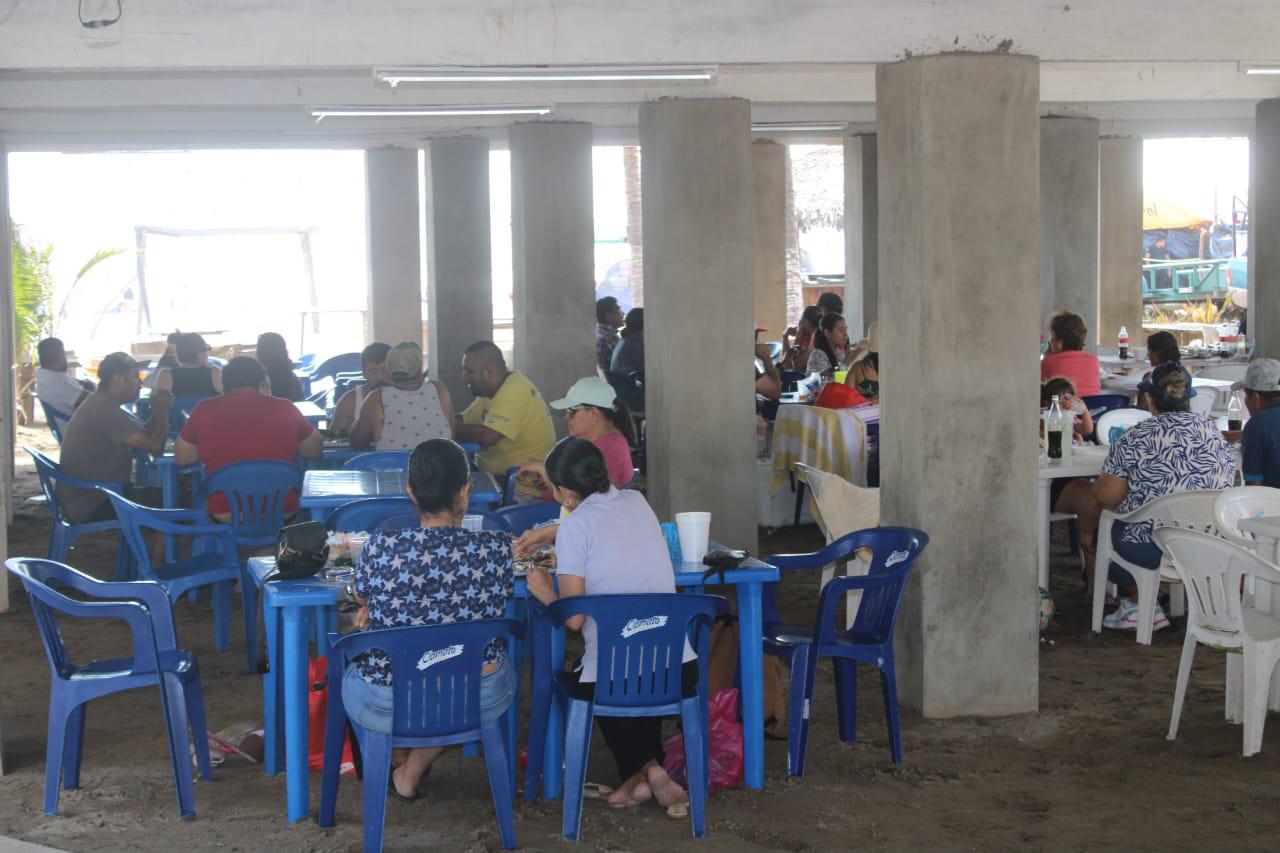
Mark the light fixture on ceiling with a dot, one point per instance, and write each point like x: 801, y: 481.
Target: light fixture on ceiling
x: 544, y: 74
x: 431, y: 111
x: 799, y: 127
x: 1259, y: 69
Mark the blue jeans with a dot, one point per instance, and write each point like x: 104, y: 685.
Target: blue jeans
x: 1147, y: 555
x: 369, y: 705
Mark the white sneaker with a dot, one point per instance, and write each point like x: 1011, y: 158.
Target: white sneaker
x: 1125, y: 617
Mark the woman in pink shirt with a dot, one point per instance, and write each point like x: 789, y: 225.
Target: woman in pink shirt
x: 593, y: 411
x: 1066, y: 356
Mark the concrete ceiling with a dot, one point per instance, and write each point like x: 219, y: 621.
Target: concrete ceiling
x: 236, y: 72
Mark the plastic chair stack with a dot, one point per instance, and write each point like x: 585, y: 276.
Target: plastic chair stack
x: 63, y: 533
x: 869, y: 640
x: 213, y: 561
x: 1190, y: 510
x: 1214, y: 572
x: 640, y: 647
x: 378, y: 460
x: 435, y: 679
x: 156, y: 661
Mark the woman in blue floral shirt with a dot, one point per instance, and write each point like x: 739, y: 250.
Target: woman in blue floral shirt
x: 434, y: 574
x: 1174, y: 451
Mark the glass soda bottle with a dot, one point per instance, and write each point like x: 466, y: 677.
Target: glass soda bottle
x: 1054, y: 428
x: 1122, y: 343
x: 1235, y: 413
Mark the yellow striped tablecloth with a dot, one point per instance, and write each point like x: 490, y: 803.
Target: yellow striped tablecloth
x: 831, y: 440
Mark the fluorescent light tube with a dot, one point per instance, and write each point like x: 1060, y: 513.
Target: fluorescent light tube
x: 799, y: 127
x: 1257, y: 69
x: 436, y: 111
x: 543, y: 73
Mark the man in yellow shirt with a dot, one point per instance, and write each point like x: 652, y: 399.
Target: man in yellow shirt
x: 508, y: 418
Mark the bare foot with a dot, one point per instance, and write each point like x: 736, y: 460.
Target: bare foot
x: 396, y: 779
x: 632, y: 792
x: 664, y: 789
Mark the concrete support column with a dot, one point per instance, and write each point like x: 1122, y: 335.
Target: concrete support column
x: 697, y: 265
x: 395, y: 260
x: 861, y: 234
x: 1069, y: 220
x: 1264, y: 229
x: 553, y: 251
x: 769, y: 180
x: 959, y: 149
x: 459, y: 268
x: 1120, y: 241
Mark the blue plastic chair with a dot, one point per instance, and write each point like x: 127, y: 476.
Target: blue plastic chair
x: 521, y: 517
x: 435, y: 679
x: 63, y: 533
x: 52, y: 416
x: 156, y: 660
x: 256, y: 491
x: 306, y: 363
x: 180, y: 410
x: 347, y: 362
x: 1099, y: 404
x: 368, y: 513
x: 790, y: 379
x: 213, y: 562
x: 869, y: 641
x: 644, y: 636
x: 401, y: 521
x: 378, y: 460
x: 509, y: 487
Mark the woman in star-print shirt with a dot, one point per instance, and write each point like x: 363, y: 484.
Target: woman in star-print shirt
x: 434, y: 574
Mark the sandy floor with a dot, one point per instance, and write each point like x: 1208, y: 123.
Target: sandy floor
x: 1091, y: 770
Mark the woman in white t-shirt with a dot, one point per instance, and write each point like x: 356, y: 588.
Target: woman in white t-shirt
x: 611, y: 544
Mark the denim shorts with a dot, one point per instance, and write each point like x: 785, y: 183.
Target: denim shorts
x: 369, y: 705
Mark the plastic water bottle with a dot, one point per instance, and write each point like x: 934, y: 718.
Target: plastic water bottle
x: 1053, y: 428
x: 1235, y: 413
x: 1122, y: 343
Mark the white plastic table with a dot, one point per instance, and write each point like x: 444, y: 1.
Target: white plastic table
x: 1086, y: 461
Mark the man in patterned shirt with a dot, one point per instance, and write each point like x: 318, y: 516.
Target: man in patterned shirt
x: 1174, y: 451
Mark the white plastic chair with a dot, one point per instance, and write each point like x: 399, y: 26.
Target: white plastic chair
x: 1242, y: 502
x: 1204, y: 401
x: 1192, y: 510
x: 1231, y: 372
x: 1213, y: 571
x: 1118, y: 417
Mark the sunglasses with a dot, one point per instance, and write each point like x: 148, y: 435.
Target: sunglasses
x: 571, y: 411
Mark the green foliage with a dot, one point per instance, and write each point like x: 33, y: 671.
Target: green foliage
x: 32, y: 296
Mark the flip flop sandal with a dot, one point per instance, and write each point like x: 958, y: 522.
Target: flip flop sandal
x: 391, y: 789
x: 678, y: 811
x: 595, y: 791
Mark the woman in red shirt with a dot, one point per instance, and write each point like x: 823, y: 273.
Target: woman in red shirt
x: 1066, y: 356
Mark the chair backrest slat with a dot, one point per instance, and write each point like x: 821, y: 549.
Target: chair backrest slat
x: 256, y: 492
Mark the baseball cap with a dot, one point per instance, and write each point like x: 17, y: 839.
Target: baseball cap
x: 588, y: 391
x: 1151, y: 387
x: 118, y: 364
x: 1263, y: 375
x: 405, y: 359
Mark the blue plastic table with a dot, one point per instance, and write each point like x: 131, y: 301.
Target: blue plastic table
x: 296, y: 611
x: 325, y: 491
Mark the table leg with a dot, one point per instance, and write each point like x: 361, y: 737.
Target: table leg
x: 751, y: 658
x: 272, y: 700
x: 1042, y: 520
x: 294, y: 653
x: 553, y: 753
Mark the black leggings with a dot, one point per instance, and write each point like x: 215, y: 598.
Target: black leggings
x: 635, y: 741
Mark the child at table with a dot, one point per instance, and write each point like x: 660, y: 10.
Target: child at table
x: 1073, y: 495
x: 1070, y: 404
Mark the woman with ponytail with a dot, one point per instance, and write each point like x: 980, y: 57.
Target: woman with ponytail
x: 830, y: 346
x: 593, y: 411
x: 610, y: 543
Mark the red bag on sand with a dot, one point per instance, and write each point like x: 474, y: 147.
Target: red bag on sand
x: 317, y: 703
x: 724, y: 752
x: 837, y: 396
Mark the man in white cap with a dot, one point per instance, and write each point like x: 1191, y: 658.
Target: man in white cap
x: 409, y: 411
x: 1260, y: 444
